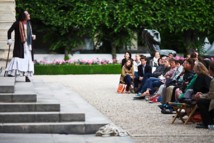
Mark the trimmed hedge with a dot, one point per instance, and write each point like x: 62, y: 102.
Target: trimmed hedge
x: 77, y: 69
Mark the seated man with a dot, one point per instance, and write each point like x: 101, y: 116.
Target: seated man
x: 144, y: 71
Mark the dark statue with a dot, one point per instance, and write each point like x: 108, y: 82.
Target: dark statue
x: 152, y: 39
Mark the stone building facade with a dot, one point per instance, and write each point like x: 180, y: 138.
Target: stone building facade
x: 7, y: 17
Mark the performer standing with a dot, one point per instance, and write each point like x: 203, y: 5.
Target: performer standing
x: 22, y: 62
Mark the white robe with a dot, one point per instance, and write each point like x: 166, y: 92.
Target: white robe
x: 22, y: 66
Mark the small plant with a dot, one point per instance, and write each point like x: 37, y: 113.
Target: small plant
x: 75, y: 62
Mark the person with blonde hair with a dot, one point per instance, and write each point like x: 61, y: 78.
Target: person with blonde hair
x: 199, y: 83
x: 205, y: 103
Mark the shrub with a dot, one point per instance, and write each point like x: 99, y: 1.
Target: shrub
x: 77, y: 69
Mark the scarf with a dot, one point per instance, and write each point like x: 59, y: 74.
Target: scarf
x: 23, y: 37
x: 189, y: 86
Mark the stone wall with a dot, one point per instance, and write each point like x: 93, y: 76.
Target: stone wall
x: 7, y: 17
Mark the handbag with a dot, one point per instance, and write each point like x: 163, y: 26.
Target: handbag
x: 121, y: 88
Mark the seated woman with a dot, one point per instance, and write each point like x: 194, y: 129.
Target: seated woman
x: 205, y: 103
x: 127, y: 75
x: 127, y: 56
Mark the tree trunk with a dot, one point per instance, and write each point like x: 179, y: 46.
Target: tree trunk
x: 114, y: 54
x: 66, y: 57
x: 190, y: 39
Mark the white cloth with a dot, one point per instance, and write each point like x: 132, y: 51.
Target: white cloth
x: 9, y: 42
x: 111, y: 130
x: 21, y: 66
x: 136, y: 64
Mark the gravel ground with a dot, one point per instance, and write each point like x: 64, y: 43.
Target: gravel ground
x: 142, y: 120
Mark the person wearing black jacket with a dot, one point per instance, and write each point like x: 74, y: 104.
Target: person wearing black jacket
x: 127, y: 56
x: 22, y: 61
x: 144, y: 71
x: 205, y: 103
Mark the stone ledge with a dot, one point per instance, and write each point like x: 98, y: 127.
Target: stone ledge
x: 65, y: 128
x: 7, y: 84
x: 21, y: 117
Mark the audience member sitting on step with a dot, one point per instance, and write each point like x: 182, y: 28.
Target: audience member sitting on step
x: 127, y: 75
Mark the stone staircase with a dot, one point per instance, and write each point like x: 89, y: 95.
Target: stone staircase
x: 27, y: 107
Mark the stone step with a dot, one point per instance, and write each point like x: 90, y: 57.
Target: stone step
x: 60, y: 127
x: 18, y: 97
x: 24, y: 92
x: 20, y: 117
x: 7, y: 84
x: 29, y: 107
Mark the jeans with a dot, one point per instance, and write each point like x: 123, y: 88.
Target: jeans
x: 151, y: 83
x: 145, y: 77
x: 128, y: 82
x: 136, y: 79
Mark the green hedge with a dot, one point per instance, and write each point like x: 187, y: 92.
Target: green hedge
x: 77, y: 69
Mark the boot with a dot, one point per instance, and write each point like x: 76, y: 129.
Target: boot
x: 27, y: 79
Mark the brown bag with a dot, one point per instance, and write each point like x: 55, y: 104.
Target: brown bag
x: 121, y: 88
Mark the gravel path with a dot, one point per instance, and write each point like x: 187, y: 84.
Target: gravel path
x: 143, y: 121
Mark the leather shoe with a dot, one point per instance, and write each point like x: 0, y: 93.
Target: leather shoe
x: 27, y: 79
x: 139, y: 97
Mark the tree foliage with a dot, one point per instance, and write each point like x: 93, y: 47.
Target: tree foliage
x: 67, y: 22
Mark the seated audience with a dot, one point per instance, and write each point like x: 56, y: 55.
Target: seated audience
x: 152, y: 82
x: 170, y: 81
x: 170, y: 56
x: 200, y: 83
x: 181, y: 82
